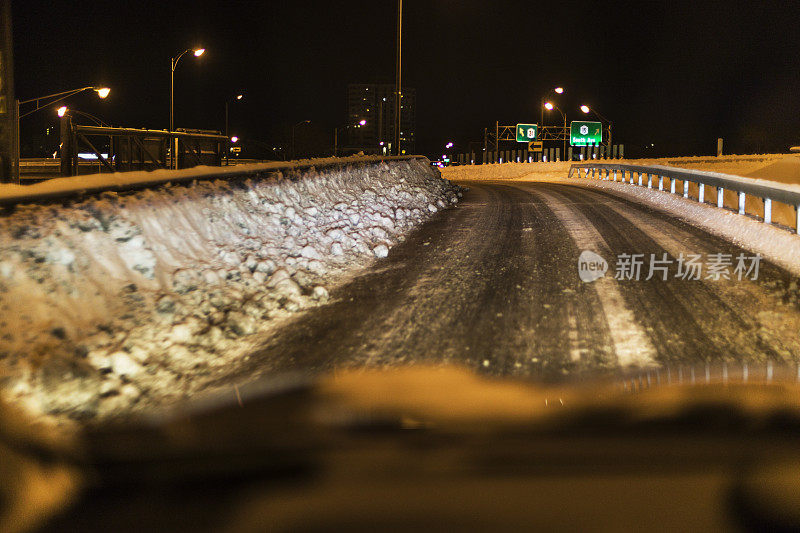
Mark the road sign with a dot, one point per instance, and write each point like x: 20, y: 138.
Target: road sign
x: 583, y: 133
x: 535, y: 146
x: 526, y: 132
x: 236, y: 149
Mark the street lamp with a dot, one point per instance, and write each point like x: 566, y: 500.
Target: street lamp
x: 293, y: 128
x: 63, y: 110
x: 398, y: 93
x: 362, y: 122
x: 557, y: 90
x: 102, y: 92
x: 234, y: 139
x: 550, y: 106
x: 173, y: 64
x: 587, y: 110
x: 235, y: 99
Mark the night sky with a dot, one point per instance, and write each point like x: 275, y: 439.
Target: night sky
x: 674, y: 74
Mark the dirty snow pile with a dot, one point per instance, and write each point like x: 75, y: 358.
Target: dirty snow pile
x: 142, y: 297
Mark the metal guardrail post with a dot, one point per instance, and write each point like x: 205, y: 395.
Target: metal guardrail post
x: 797, y: 219
x: 767, y: 210
x: 741, y: 203
x: 720, y: 197
x: 686, y: 188
x: 701, y: 192
x: 660, y: 182
x: 649, y: 181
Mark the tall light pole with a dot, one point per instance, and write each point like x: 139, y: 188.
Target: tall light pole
x: 102, y: 92
x: 174, y: 63
x: 557, y: 90
x: 399, y: 79
x: 293, y: 128
x: 550, y: 106
x: 586, y: 109
x: 235, y: 99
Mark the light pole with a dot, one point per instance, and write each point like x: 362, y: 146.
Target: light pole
x: 63, y: 110
x: 294, y: 154
x: 174, y: 63
x: 235, y: 99
x: 102, y: 92
x: 550, y: 106
x: 586, y: 109
x: 361, y: 122
x: 399, y: 79
x: 557, y: 90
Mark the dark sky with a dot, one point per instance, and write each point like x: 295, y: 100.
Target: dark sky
x: 675, y: 74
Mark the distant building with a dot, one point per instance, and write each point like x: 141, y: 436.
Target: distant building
x: 374, y: 103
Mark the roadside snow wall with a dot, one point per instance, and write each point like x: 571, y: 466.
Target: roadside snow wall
x: 121, y: 298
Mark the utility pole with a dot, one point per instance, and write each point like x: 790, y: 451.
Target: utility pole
x: 398, y: 86
x: 9, y: 112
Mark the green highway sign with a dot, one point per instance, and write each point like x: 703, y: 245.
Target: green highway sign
x: 582, y: 133
x: 526, y: 132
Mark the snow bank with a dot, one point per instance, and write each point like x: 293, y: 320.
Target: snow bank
x: 121, y: 298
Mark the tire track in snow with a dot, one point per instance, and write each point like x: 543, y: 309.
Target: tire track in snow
x: 631, y: 343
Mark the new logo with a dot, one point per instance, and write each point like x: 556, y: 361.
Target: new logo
x: 591, y: 266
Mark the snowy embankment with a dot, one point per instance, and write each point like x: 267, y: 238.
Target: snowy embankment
x: 126, y: 297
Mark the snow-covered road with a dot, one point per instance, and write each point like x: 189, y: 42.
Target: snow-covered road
x: 494, y: 284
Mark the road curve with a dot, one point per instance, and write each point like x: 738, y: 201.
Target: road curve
x: 494, y: 284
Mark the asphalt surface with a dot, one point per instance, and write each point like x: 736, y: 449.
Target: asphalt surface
x: 493, y: 284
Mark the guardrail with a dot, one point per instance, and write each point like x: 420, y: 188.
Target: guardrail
x: 89, y: 184
x: 767, y: 191
x: 718, y: 373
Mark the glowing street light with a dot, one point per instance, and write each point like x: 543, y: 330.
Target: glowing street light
x: 102, y: 92
x: 557, y: 90
x: 234, y: 139
x: 236, y: 98
x: 587, y: 110
x: 62, y: 111
x: 362, y: 122
x: 448, y: 145
x: 173, y: 64
x: 550, y: 106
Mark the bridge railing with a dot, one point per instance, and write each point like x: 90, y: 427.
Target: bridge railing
x: 654, y: 177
